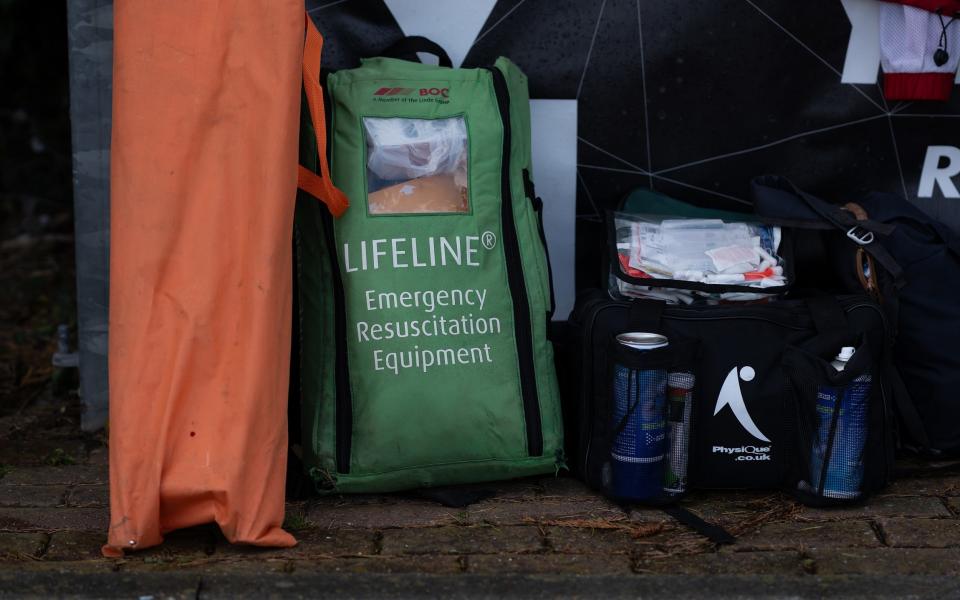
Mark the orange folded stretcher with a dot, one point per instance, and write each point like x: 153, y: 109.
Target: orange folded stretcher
x: 204, y: 176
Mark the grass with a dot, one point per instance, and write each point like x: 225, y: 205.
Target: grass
x: 59, y: 458
x: 297, y: 521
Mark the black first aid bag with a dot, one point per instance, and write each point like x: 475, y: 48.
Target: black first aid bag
x: 747, y: 399
x: 910, y: 264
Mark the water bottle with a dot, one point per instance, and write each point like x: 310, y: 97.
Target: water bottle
x: 844, y: 469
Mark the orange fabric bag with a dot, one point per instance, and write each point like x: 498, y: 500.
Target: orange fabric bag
x: 206, y: 119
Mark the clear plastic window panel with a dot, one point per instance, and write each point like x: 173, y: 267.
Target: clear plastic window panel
x: 708, y: 251
x: 417, y: 165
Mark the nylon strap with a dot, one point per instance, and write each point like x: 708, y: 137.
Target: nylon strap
x: 836, y: 215
x: 319, y: 186
x: 845, y: 221
x: 713, y: 532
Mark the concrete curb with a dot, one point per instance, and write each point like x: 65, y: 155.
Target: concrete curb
x: 190, y: 584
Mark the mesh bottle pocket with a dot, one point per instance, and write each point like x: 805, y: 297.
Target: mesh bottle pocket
x: 837, y: 422
x: 650, y: 422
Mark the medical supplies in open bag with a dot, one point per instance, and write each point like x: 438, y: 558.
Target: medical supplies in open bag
x: 884, y: 246
x: 668, y: 399
x: 683, y: 260
x: 424, y: 309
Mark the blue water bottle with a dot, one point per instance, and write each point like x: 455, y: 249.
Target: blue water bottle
x: 639, y: 422
x: 844, y: 472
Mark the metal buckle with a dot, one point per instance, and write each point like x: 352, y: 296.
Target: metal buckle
x: 863, y: 239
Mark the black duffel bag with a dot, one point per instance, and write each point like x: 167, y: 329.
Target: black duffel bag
x: 755, y: 378
x: 907, y: 261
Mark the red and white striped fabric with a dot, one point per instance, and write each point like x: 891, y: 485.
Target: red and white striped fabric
x: 910, y: 34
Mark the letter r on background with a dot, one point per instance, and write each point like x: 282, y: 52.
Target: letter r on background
x: 933, y: 173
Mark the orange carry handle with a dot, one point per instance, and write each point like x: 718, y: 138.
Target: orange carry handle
x: 319, y: 186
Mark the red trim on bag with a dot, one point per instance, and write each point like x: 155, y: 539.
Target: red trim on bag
x: 918, y: 86
x: 947, y: 6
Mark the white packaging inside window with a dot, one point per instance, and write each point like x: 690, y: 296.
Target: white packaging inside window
x: 416, y: 165
x: 708, y: 251
x: 400, y: 148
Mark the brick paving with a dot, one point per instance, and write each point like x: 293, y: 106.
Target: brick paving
x: 54, y: 517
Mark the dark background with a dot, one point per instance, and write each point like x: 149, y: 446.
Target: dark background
x: 37, y: 284
x: 34, y: 114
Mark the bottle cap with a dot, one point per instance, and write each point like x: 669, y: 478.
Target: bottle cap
x: 846, y: 353
x: 641, y: 340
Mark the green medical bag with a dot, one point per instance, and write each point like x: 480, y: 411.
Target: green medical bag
x: 424, y: 308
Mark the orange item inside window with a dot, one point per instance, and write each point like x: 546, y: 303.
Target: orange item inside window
x: 436, y: 194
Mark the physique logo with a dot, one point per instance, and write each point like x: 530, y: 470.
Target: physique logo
x: 745, y: 453
x: 732, y: 396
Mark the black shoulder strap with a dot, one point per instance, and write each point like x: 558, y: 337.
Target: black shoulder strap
x: 407, y: 48
x: 713, y: 532
x: 794, y: 202
x: 777, y: 197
